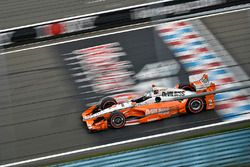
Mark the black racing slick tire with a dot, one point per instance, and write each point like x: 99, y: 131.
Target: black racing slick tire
x: 195, y: 105
x: 107, y: 102
x: 117, y: 120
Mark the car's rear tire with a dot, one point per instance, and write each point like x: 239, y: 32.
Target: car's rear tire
x: 195, y: 105
x: 117, y: 120
x: 107, y: 102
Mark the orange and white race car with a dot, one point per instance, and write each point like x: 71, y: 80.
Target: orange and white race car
x: 156, y: 104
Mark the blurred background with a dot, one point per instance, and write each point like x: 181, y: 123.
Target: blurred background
x: 60, y: 57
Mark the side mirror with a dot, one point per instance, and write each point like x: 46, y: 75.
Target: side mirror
x: 157, y: 99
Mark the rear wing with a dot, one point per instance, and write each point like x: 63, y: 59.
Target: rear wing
x: 200, y: 82
x: 198, y: 77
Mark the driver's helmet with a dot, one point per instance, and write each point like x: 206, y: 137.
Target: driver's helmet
x: 155, y: 89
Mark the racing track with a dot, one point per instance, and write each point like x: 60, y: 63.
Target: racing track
x: 40, y: 106
x: 16, y: 13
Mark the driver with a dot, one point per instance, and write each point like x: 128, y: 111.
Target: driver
x: 146, y: 96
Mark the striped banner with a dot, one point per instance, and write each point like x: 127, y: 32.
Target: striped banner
x: 196, y: 56
x: 98, y: 72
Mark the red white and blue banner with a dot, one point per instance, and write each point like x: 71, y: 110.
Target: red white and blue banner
x: 196, y: 56
x: 111, y: 19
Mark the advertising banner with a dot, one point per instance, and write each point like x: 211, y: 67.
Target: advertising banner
x: 106, y: 20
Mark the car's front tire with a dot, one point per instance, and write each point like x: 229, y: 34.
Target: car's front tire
x: 117, y: 120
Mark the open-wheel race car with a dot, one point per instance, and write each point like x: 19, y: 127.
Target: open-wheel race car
x: 156, y: 104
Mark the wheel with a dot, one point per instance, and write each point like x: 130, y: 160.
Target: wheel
x: 195, y: 105
x: 117, y: 120
x: 107, y: 102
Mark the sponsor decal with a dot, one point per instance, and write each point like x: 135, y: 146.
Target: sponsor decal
x: 66, y: 27
x: 173, y: 93
x: 80, y: 24
x: 182, y: 8
x: 156, y: 110
x: 56, y: 29
x: 112, y: 19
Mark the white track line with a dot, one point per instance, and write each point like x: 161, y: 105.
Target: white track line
x: 118, y: 32
x: 74, y: 40
x: 85, y: 15
x: 125, y: 141
x: 115, y: 144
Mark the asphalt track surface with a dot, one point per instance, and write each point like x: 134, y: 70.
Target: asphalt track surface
x: 40, y: 107
x: 14, y: 13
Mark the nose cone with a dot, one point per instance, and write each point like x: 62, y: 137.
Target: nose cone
x: 88, y: 112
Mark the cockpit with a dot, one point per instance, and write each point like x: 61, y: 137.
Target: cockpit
x: 153, y: 92
x: 143, y: 98
x: 148, y: 94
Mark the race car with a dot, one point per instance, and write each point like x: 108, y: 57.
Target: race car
x: 156, y: 104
